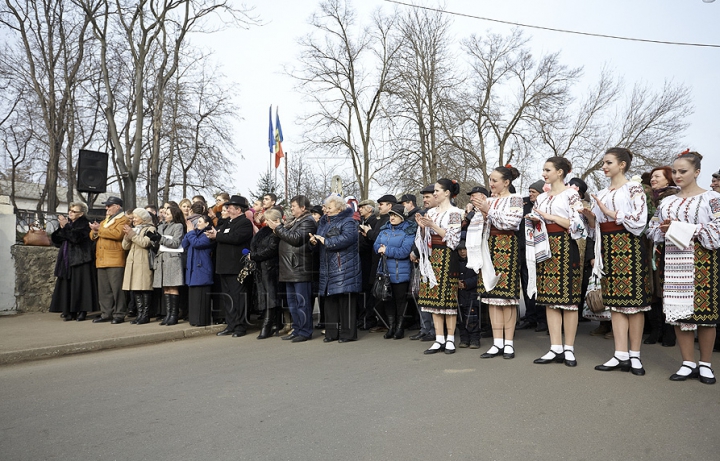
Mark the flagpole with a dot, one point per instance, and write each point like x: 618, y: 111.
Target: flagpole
x: 286, y: 177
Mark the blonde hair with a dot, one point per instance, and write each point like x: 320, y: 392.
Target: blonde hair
x: 272, y: 214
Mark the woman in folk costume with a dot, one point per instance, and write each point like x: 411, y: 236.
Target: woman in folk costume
x: 619, y: 215
x: 493, y: 254
x: 437, y: 236
x: 559, y: 278
x: 689, y: 225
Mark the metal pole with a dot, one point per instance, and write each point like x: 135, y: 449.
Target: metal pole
x: 286, y: 177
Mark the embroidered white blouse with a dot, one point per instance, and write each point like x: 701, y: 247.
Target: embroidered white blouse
x: 566, y: 204
x: 703, y: 210
x: 505, y: 213
x: 451, y: 221
x: 630, y: 203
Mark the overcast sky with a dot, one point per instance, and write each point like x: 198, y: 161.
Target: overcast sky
x: 255, y: 59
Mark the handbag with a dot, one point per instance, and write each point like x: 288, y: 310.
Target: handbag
x: 381, y: 288
x: 414, y: 288
x: 36, y: 237
x: 248, y: 267
x: 593, y: 297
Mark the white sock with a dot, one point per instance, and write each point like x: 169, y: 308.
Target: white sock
x: 510, y: 345
x: 435, y: 346
x: 497, y: 346
x: 621, y: 355
x: 705, y: 372
x: 569, y: 352
x: 686, y: 369
x: 440, y: 339
x: 636, y: 363
x: 450, y: 343
x: 555, y: 350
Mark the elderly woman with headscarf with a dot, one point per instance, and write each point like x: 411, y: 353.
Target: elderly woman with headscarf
x: 394, y: 243
x: 76, y: 286
x: 138, y: 272
x: 340, y: 278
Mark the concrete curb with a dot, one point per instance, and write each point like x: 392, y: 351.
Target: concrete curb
x: 46, y: 352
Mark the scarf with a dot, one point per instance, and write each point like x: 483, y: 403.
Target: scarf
x: 424, y: 246
x: 679, y: 284
x: 681, y: 234
x: 537, y: 250
x: 478, y: 250
x: 597, y: 270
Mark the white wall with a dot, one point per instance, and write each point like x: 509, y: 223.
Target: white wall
x: 7, y: 239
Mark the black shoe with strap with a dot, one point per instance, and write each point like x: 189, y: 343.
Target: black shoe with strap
x: 489, y: 355
x: 436, y: 350
x: 558, y: 357
x: 622, y: 365
x: 706, y: 379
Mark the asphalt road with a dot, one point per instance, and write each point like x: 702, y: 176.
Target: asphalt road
x: 241, y: 399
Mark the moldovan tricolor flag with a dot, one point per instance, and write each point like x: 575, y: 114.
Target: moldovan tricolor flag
x: 278, y: 140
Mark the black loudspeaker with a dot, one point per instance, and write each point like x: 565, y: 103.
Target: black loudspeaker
x: 92, y: 171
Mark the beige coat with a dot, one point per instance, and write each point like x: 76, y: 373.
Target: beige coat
x: 108, y: 249
x: 138, y: 275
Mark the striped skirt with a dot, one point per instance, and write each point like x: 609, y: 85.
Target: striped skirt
x: 706, y: 299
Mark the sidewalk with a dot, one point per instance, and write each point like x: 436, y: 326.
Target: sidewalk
x: 34, y: 336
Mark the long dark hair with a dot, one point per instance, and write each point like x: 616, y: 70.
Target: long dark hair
x: 178, y: 217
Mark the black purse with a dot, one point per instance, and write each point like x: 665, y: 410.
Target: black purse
x: 381, y: 288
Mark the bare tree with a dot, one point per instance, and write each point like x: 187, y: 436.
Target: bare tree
x: 648, y: 122
x: 509, y: 94
x: 421, y: 85
x: 47, y: 59
x: 344, y: 73
x: 146, y: 28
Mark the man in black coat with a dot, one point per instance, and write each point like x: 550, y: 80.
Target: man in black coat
x: 296, y: 265
x: 232, y: 237
x: 368, y: 221
x: 534, y: 314
x: 409, y: 201
x: 427, y: 328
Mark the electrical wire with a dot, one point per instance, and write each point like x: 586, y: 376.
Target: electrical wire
x: 551, y: 29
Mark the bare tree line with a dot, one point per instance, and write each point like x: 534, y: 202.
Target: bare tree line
x: 408, y: 103
x: 120, y: 77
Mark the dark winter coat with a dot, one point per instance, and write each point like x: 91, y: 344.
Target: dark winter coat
x: 339, y: 259
x: 467, y: 296
x: 169, y: 265
x: 233, y: 236
x: 398, y: 241
x: 296, y: 259
x: 76, y: 248
x: 264, y: 249
x: 198, y: 265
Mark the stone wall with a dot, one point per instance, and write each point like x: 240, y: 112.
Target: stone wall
x: 35, y: 279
